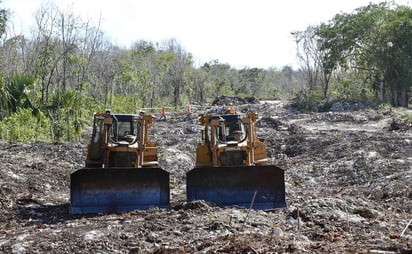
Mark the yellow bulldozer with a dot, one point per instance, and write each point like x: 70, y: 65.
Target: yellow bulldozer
x: 232, y: 167
x: 121, y: 172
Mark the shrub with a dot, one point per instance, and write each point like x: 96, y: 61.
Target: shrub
x: 23, y: 126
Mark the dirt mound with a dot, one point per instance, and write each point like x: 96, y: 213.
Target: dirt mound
x: 233, y: 100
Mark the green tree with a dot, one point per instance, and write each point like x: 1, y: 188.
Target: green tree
x: 219, y: 77
x: 373, y: 39
x: 200, y: 86
x: 176, y: 75
x: 251, y: 80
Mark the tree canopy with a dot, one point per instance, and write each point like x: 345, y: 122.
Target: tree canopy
x: 375, y: 41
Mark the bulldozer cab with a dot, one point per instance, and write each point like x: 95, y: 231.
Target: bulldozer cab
x: 124, y: 128
x: 231, y: 129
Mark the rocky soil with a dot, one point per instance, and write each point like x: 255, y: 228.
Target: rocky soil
x: 348, y: 180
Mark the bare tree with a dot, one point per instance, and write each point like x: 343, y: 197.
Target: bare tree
x: 308, y: 54
x: 177, y: 70
x: 43, y: 47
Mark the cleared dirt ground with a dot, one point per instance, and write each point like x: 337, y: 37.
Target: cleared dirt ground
x: 348, y: 180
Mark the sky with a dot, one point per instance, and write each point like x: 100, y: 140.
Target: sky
x: 241, y: 33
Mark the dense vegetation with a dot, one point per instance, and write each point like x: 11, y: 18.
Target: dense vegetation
x: 367, y: 52
x: 52, y: 81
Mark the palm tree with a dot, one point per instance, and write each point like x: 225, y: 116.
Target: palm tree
x: 18, y: 88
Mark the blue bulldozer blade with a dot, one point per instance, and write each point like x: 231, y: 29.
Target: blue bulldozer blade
x: 117, y: 190
x: 258, y: 187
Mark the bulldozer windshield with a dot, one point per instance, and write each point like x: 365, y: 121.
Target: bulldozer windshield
x: 232, y: 130
x: 124, y: 128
